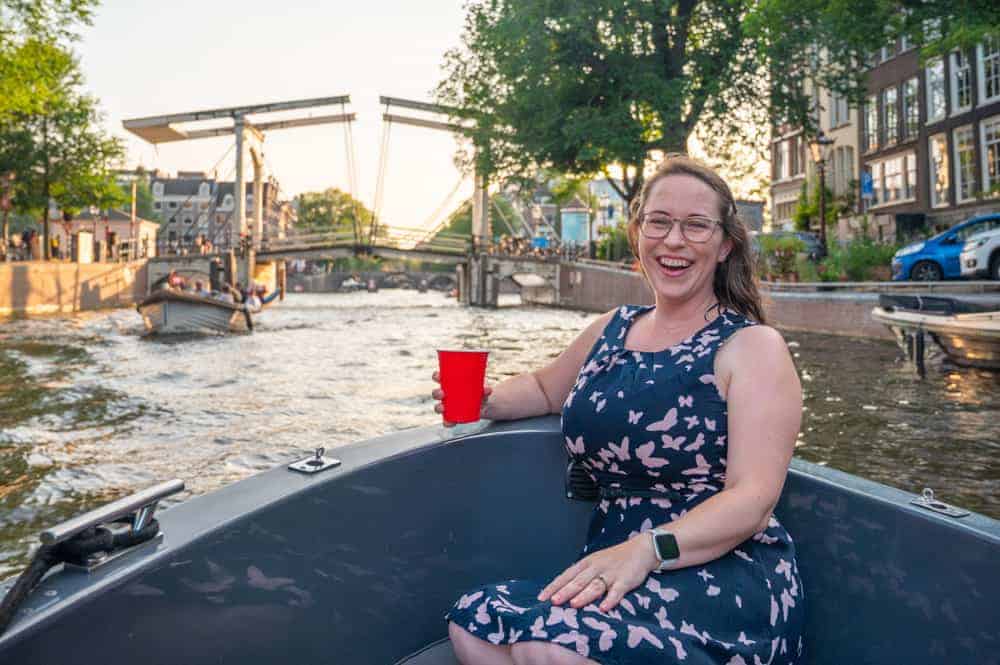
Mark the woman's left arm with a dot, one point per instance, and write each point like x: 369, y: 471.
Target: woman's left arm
x: 756, y: 375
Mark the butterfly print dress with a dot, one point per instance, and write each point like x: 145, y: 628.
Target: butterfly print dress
x: 650, y: 428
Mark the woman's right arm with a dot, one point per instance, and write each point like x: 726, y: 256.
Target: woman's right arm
x: 543, y: 391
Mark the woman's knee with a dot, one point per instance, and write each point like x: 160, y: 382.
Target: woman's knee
x: 544, y: 653
x: 470, y: 649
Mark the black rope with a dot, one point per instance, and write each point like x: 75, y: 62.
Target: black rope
x: 76, y: 550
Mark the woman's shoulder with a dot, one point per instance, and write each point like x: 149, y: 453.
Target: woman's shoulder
x: 754, y: 344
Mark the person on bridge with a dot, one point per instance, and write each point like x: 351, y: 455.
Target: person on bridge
x: 685, y: 415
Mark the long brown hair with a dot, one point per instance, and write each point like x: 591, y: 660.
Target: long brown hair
x: 735, y: 282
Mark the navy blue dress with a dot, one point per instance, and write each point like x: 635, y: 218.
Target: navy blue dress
x: 650, y: 428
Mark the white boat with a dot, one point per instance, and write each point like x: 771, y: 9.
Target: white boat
x: 166, y: 311
x: 968, y: 337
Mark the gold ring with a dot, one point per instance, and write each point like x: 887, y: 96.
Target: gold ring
x: 603, y: 581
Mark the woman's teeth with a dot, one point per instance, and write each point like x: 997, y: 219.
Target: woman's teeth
x: 673, y: 264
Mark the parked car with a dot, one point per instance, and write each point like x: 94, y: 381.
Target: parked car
x: 981, y: 255
x: 937, y: 258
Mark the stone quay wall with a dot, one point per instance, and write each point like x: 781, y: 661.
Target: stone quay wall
x: 596, y: 288
x: 54, y: 287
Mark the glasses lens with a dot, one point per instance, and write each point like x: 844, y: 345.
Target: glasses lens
x: 697, y: 229
x: 656, y: 226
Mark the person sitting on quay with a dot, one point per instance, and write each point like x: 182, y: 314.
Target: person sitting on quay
x: 661, y: 407
x: 199, y: 289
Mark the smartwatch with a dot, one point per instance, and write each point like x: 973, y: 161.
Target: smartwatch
x: 665, y: 548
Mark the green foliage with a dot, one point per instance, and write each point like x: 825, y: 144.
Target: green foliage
x: 581, y: 87
x: 778, y: 254
x: 333, y: 209
x: 57, y: 147
x: 143, y: 200
x: 859, y: 260
x: 460, y: 220
x: 612, y: 243
x: 32, y: 36
x: 806, y: 213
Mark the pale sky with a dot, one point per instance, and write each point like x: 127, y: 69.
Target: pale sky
x: 143, y: 58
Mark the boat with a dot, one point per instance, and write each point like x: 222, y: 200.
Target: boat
x: 169, y: 311
x: 968, y: 332
x: 357, y: 559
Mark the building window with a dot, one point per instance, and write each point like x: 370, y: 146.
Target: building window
x: 203, y: 190
x: 965, y: 175
x: 173, y: 220
x: 157, y: 205
x: 172, y: 205
x: 936, y: 108
x: 157, y: 189
x: 172, y: 236
x: 937, y: 158
x: 990, y: 131
x: 911, y: 109
x: 894, y: 179
x: 871, y: 124
x: 961, y: 82
x: 910, y: 186
x: 838, y: 110
x: 890, y: 115
x: 188, y: 220
x: 989, y: 70
x: 796, y: 165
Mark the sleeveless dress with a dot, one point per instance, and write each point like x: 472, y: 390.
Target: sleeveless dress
x: 650, y: 428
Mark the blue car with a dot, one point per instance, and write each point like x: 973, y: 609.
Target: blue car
x: 937, y: 258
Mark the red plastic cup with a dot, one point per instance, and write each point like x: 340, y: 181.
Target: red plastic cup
x: 462, y: 373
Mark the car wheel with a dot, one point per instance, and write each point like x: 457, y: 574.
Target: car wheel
x: 926, y: 271
x: 995, y: 266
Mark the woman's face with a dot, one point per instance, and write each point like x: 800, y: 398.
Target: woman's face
x: 678, y: 269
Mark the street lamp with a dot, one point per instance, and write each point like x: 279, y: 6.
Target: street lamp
x: 820, y: 149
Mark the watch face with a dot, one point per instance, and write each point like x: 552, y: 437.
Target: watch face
x: 666, y: 546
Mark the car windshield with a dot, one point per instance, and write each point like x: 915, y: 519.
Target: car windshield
x: 972, y: 229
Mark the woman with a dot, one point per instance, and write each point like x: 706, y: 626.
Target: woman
x: 686, y: 415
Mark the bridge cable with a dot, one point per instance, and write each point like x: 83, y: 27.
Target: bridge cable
x: 380, y: 178
x: 504, y: 218
x: 163, y: 228
x: 436, y: 228
x: 352, y: 176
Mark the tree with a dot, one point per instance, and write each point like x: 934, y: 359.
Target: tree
x: 57, y: 147
x: 29, y: 77
x: 335, y: 209
x: 143, y: 200
x: 589, y: 86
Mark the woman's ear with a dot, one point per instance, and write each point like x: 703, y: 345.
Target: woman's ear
x: 725, y: 249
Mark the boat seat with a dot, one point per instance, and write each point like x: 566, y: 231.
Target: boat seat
x: 436, y: 653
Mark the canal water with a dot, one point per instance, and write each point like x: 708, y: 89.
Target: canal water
x: 91, y: 410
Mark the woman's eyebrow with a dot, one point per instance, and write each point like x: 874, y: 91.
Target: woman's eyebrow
x: 693, y: 214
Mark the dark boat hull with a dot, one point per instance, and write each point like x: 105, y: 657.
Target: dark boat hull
x: 358, y: 564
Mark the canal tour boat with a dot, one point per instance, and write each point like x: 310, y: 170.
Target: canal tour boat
x: 967, y: 332
x: 357, y: 559
x: 169, y: 311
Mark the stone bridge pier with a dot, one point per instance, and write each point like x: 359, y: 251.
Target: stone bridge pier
x: 479, y: 279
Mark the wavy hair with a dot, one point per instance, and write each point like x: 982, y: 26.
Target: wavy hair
x: 735, y: 283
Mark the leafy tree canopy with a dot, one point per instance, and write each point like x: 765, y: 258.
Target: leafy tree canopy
x: 332, y: 208
x: 594, y: 85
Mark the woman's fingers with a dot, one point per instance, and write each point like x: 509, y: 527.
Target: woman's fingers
x: 613, y: 596
x: 591, y: 592
x: 437, y: 393
x: 436, y: 377
x: 559, y: 582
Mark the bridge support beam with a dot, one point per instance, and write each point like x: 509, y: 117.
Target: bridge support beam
x: 478, y: 283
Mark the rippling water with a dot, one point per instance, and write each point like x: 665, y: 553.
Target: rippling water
x: 90, y: 410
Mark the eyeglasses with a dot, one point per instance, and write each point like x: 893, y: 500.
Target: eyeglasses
x: 658, y: 225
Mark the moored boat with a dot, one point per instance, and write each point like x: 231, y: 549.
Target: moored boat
x: 967, y: 332
x: 359, y: 561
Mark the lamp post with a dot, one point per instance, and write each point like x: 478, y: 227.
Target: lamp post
x: 820, y: 149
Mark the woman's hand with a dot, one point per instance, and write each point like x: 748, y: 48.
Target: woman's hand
x: 609, y: 573
x: 438, y: 395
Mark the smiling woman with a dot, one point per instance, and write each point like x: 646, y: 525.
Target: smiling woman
x: 661, y: 409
